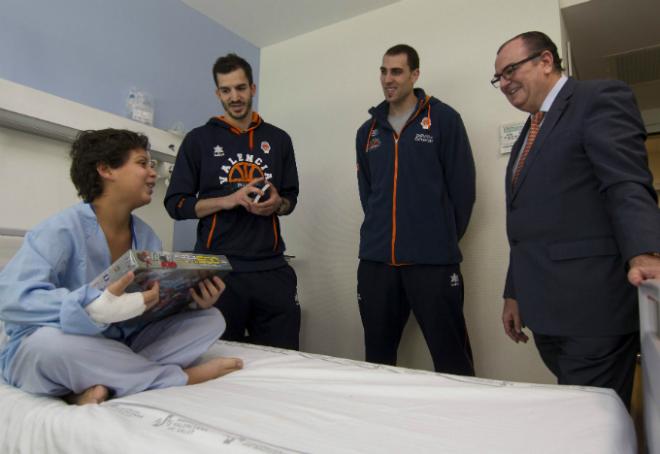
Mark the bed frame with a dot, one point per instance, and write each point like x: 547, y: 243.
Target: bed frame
x: 649, y: 314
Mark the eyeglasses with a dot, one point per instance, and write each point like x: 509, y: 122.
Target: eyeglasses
x: 507, y: 72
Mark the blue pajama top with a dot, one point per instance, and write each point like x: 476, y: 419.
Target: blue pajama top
x: 47, y: 282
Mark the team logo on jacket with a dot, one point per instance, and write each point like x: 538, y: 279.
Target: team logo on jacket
x: 265, y: 147
x: 426, y: 123
x: 243, y: 169
x: 426, y: 138
x: 454, y: 280
x: 374, y: 142
x: 218, y: 152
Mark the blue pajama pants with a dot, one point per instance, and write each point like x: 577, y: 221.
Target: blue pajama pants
x: 50, y: 362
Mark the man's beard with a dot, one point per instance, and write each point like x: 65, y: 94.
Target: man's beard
x: 241, y: 117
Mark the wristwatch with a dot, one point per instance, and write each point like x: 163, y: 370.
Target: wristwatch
x: 283, y: 208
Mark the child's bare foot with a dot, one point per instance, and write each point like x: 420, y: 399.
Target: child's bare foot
x: 214, y: 368
x: 92, y: 395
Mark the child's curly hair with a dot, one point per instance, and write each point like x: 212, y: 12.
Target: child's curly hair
x: 111, y: 147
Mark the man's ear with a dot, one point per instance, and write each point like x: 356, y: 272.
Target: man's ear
x: 105, y: 171
x: 548, y: 61
x: 415, y: 75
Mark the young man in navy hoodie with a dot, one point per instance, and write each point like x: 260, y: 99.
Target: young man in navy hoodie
x: 416, y: 179
x: 238, y: 174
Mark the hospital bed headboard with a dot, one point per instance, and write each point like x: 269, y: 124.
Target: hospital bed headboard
x: 649, y: 314
x: 10, y: 241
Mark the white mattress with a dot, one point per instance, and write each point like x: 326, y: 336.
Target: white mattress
x: 290, y: 402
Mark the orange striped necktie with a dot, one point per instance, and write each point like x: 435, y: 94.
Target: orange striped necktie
x: 537, y: 118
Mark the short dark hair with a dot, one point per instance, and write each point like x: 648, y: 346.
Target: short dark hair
x: 537, y: 42
x: 111, y: 147
x: 229, y: 63
x: 411, y: 54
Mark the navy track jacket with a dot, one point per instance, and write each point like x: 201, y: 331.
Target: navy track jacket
x: 217, y: 159
x: 417, y: 189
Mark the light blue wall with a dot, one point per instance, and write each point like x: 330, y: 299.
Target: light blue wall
x: 93, y: 51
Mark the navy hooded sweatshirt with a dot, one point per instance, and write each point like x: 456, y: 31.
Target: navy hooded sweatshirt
x: 217, y: 159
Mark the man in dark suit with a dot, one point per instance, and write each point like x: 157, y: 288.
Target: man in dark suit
x: 581, y: 214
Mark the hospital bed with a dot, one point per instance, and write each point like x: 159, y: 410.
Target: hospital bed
x: 292, y: 402
x: 649, y: 314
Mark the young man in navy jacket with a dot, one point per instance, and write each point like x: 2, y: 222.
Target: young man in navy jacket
x: 416, y: 179
x: 220, y: 177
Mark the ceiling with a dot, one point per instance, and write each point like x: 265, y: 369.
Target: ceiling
x: 267, y: 22
x: 617, y: 39
x: 599, y: 30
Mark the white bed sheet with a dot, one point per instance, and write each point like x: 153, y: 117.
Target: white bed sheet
x: 290, y: 402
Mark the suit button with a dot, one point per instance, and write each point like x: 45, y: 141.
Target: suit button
x: 514, y: 242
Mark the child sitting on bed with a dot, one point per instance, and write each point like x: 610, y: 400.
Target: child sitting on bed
x: 68, y: 339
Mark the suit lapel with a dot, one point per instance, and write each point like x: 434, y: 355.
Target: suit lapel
x: 550, y: 121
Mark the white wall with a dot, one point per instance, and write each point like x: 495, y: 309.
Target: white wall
x: 647, y: 94
x: 319, y: 86
x: 35, y: 183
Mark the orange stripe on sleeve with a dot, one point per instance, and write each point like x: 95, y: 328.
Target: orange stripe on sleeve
x: 208, y: 241
x: 275, y: 232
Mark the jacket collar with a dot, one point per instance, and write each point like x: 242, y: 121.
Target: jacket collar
x: 222, y: 121
x: 382, y: 110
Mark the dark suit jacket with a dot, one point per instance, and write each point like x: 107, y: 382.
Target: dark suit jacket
x: 583, y: 205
